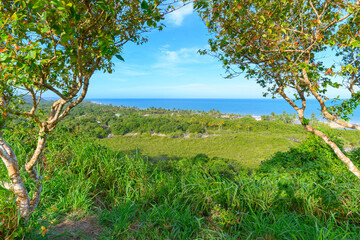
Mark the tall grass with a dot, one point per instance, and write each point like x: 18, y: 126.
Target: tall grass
x: 191, y: 199
x: 244, y: 148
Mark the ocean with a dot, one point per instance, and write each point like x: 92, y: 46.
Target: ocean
x: 255, y: 107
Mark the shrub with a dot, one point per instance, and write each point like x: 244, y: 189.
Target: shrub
x: 312, y: 156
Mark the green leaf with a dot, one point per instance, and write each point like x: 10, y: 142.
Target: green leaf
x: 3, y: 57
x: 43, y: 18
x: 32, y: 54
x: 305, y: 121
x: 355, y: 43
x: 14, y: 16
x: 144, y: 5
x: 65, y: 38
x: 150, y: 23
x: 118, y: 56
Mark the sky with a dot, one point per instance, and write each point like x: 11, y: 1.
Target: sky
x: 169, y: 66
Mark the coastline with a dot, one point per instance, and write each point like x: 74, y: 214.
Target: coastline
x: 256, y: 116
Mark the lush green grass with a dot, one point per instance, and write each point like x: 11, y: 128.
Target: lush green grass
x: 246, y: 149
x: 304, y: 193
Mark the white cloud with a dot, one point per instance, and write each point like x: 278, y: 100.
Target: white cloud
x: 178, y: 16
x: 172, y: 59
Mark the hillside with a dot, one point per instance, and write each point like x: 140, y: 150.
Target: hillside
x: 256, y: 181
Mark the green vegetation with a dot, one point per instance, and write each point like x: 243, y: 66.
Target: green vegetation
x: 243, y: 149
x: 254, y: 181
x: 302, y: 193
x: 100, y: 121
x: 281, y: 45
x: 241, y: 140
x: 55, y: 47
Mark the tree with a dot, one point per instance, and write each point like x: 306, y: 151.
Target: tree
x: 282, y: 44
x: 56, y: 46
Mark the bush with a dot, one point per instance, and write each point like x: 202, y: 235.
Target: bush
x: 195, y: 128
x: 312, y: 158
x: 177, y: 134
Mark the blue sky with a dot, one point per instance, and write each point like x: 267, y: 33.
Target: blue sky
x: 168, y: 66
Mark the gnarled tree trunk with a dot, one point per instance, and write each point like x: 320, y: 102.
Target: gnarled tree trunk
x: 16, y: 184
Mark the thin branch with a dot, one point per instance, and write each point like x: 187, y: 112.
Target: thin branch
x: 49, y: 87
x: 36, y: 197
x: 314, y: 9
x: 323, y: 107
x: 29, y: 166
x: 52, y: 123
x: 25, y: 114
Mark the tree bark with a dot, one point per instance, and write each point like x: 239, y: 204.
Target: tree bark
x: 352, y: 168
x: 30, y: 168
x: 16, y: 184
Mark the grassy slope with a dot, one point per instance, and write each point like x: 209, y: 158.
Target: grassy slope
x: 136, y: 199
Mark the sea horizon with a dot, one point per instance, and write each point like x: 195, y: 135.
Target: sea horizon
x: 243, y: 106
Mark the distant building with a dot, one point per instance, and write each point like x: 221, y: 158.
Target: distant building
x: 257, y: 118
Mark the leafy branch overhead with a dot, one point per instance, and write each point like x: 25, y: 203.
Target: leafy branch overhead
x: 271, y: 40
x: 283, y: 45
x: 60, y: 42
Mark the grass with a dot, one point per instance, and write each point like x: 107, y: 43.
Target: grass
x: 246, y: 149
x: 303, y: 193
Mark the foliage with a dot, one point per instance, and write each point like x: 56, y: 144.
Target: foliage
x: 56, y: 46
x: 88, y: 117
x: 312, y: 158
x: 281, y: 44
x: 140, y: 199
x: 269, y: 41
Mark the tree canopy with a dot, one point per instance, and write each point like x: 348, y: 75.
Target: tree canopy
x: 285, y: 46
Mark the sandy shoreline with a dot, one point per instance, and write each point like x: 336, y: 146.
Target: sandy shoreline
x: 258, y: 118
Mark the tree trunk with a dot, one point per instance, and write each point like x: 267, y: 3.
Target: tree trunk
x: 352, y: 168
x: 16, y: 184
x: 25, y: 205
x: 20, y: 191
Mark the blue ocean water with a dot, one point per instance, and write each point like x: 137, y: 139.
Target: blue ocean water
x: 256, y: 107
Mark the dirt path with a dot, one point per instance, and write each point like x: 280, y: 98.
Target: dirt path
x: 86, y: 228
